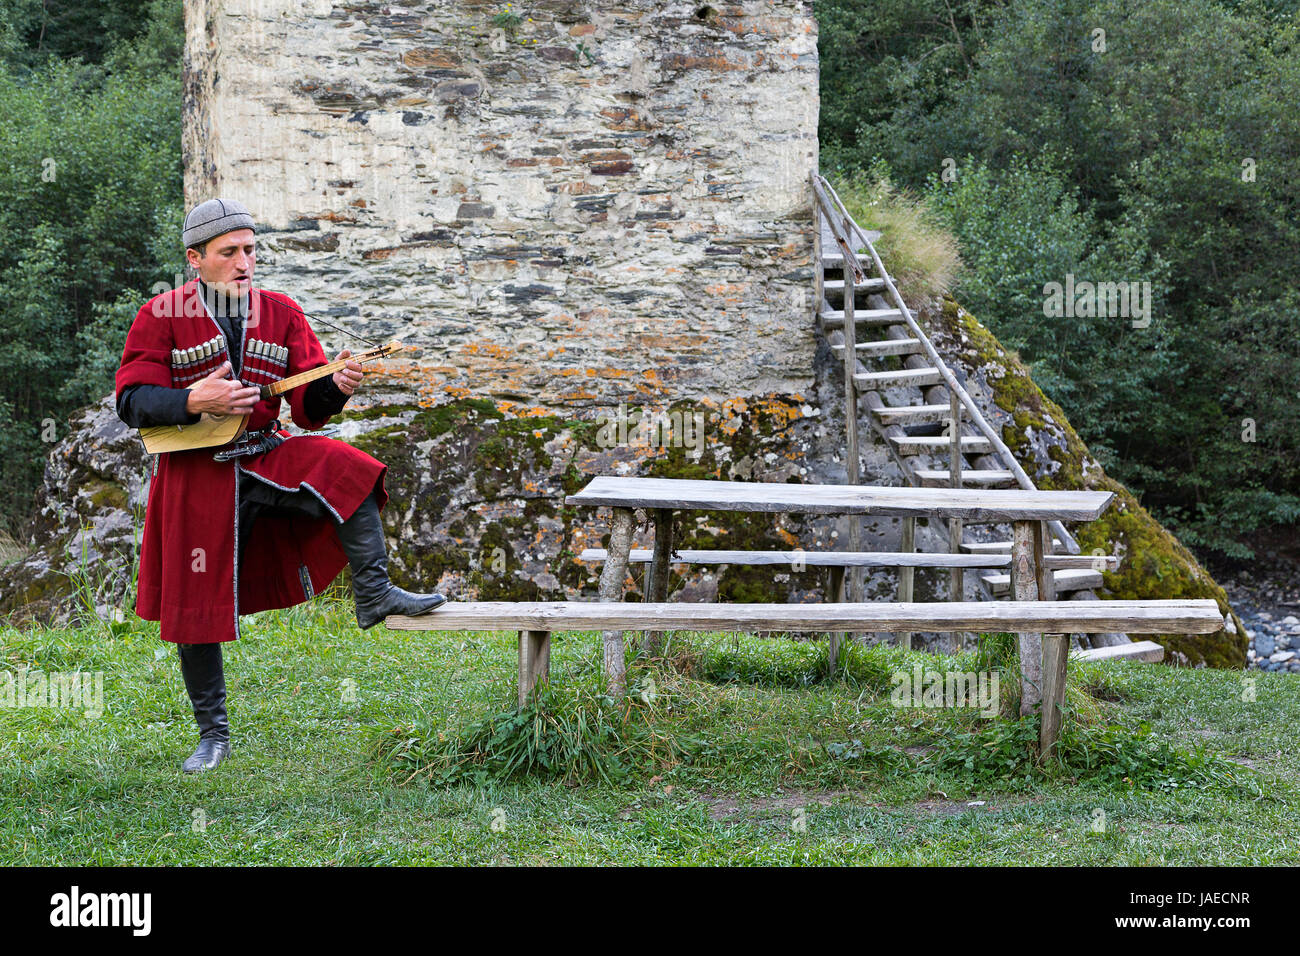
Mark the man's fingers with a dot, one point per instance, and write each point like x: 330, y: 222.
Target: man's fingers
x: 242, y: 398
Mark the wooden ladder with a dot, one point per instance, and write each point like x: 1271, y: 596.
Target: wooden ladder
x: 933, y: 429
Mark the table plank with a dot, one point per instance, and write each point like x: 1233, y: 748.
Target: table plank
x: 972, y: 504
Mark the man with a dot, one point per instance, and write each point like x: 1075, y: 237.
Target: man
x: 270, y: 520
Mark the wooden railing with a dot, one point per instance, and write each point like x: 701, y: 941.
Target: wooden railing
x: 849, y: 236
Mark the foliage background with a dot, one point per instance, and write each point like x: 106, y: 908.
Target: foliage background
x: 1121, y: 162
x: 90, y: 172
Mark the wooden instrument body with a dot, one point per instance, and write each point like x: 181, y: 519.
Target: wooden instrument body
x: 208, y: 431
x: 215, y: 430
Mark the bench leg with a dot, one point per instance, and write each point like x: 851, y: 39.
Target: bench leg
x: 837, y: 596
x: 612, y: 576
x: 534, y: 661
x: 1056, y: 649
x: 955, y: 580
x: 1024, y: 587
x: 658, y: 588
x: 907, y: 576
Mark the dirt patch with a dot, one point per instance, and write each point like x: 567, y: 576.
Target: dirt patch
x: 1108, y: 694
x: 731, y: 809
x: 944, y: 808
x: 780, y: 809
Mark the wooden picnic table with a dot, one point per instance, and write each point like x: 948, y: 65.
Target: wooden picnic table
x: 1042, y: 657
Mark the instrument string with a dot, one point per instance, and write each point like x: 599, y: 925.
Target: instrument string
x: 317, y: 318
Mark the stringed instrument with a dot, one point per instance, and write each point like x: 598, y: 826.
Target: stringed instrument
x: 214, y: 430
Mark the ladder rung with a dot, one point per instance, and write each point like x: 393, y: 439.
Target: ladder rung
x: 987, y: 547
x: 1148, y: 651
x: 835, y: 260
x: 834, y: 318
x: 885, y: 347
x: 970, y: 445
x: 868, y: 285
x: 913, y: 413
x: 976, y: 476
x: 899, y: 379
x: 1075, y: 579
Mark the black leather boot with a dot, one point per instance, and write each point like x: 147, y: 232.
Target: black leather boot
x: 362, y: 537
x: 205, y: 681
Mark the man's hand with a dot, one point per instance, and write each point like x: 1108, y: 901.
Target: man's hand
x: 218, y: 395
x: 348, y: 378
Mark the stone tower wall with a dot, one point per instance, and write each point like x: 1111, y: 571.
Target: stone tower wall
x: 607, y: 202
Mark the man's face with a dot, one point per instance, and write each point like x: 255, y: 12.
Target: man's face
x: 227, y: 262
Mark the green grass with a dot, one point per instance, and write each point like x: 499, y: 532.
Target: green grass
x: 376, y: 747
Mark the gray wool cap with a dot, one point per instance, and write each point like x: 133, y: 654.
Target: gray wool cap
x: 214, y: 218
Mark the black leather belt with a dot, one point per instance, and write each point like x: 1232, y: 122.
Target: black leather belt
x: 253, y: 443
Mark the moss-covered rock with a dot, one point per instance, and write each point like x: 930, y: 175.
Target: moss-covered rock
x: 481, y: 491
x: 1154, y: 564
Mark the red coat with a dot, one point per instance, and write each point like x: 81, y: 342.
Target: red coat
x: 188, y: 577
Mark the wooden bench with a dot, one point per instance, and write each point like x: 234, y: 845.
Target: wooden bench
x: 535, y: 622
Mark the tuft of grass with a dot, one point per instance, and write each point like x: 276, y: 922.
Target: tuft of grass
x: 1003, y: 753
x: 781, y: 663
x: 100, y: 597
x: 918, y: 250
x: 572, y: 734
x: 11, y: 549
